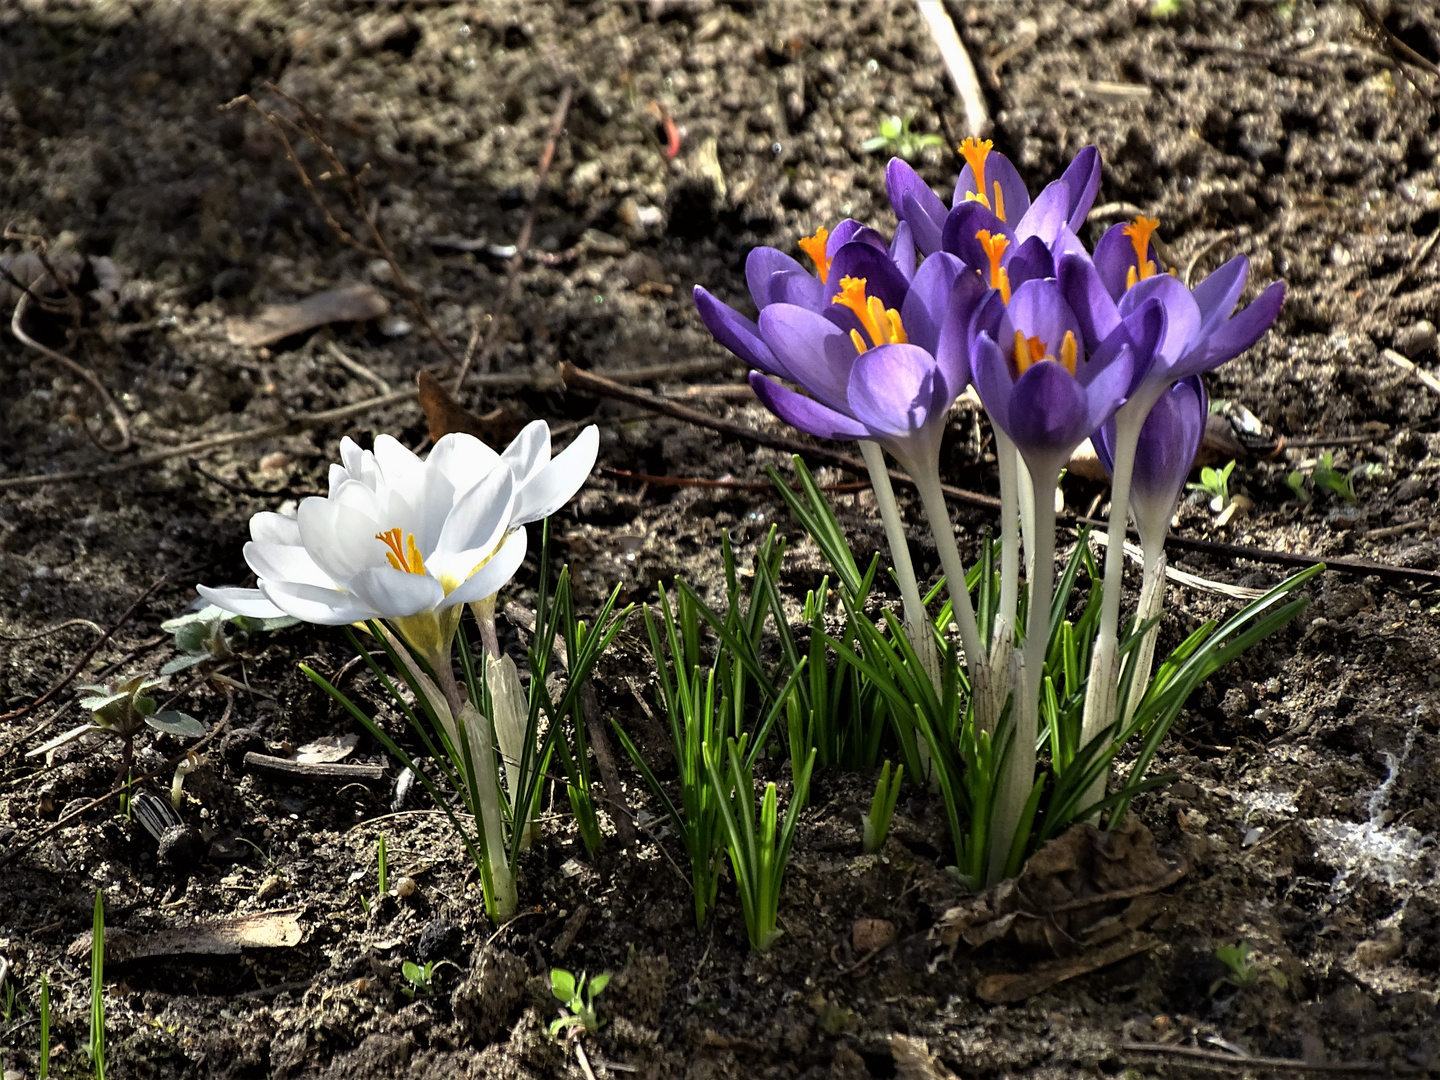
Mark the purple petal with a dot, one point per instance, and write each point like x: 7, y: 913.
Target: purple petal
x: 1048, y: 411
x: 1114, y: 258
x: 998, y: 170
x: 924, y: 309
x: 990, y: 375
x: 964, y: 222
x: 761, y: 265
x: 814, y: 352
x: 901, y: 181
x: 1169, y: 441
x: 882, y: 277
x: 1217, y: 294
x: 736, y: 333
x: 898, y: 393
x: 952, y: 352
x: 1030, y: 260
x: 1105, y: 389
x: 1182, y: 316
x: 801, y: 412
x: 1146, y: 329
x: 1064, y: 202
x: 1088, y: 298
x: 1038, y: 310
x: 1235, y: 335
x: 1067, y: 243
x: 851, y: 231
x: 902, y: 250
x: 926, y: 230
x: 797, y: 287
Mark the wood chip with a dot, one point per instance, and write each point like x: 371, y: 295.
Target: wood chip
x: 275, y: 322
x: 1005, y: 989
x: 327, y: 748
x: 331, y: 771
x: 223, y: 937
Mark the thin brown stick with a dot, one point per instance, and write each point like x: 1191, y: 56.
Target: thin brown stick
x: 958, y: 64
x: 1250, y: 1064
x: 117, y: 414
x: 1394, y: 42
x: 512, y: 275
x: 55, y: 629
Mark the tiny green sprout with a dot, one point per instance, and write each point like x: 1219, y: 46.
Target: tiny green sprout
x: 10, y: 1003
x: 1216, y: 484
x: 895, y: 135
x: 1244, y: 973
x: 200, y: 636
x: 1165, y: 9
x: 1296, y: 480
x: 577, y: 1000
x: 422, y: 980
x: 44, y: 1027
x: 882, y: 808
x: 1339, y: 484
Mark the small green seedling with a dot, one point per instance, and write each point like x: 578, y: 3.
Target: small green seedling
x: 96, y: 1046
x: 1244, y: 973
x: 44, y: 1027
x: 882, y: 808
x: 383, y: 875
x: 10, y: 1004
x: 1325, y: 477
x: 422, y: 980
x: 895, y: 135
x: 1296, y: 480
x: 577, y: 1000
x: 1216, y: 484
x: 200, y: 636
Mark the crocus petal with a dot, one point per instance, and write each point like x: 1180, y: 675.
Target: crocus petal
x: 805, y: 413
x: 1235, y: 335
x: 1105, y: 387
x: 1048, y: 412
x: 1182, y: 316
x: 902, y: 182
x: 990, y: 375
x: 817, y: 353
x: 963, y: 223
x: 902, y: 250
x: 1088, y: 298
x: 1030, y: 260
x: 1169, y: 441
x: 324, y: 607
x: 559, y: 481
x: 797, y: 287
x: 1067, y: 243
x: 1064, y: 202
x: 883, y: 278
x: 490, y: 578
x: 340, y: 533
x: 248, y: 602
x: 851, y: 231
x: 462, y: 459
x: 399, y: 466
x: 271, y: 528
x: 396, y: 593
x: 952, y: 352
x: 283, y: 562
x: 480, y: 517
x: 528, y: 452
x: 927, y: 231
x: 925, y: 305
x: 737, y: 333
x: 1217, y: 294
x: 998, y: 170
x: 898, y: 393
x: 761, y: 265
x: 1037, y: 309
x: 1115, y: 258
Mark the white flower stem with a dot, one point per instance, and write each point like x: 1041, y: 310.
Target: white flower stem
x: 1002, y: 640
x: 918, y: 627
x: 1026, y: 489
x: 1152, y: 598
x: 977, y: 663
x: 1017, y: 775
x: 1104, y: 664
x: 484, y: 612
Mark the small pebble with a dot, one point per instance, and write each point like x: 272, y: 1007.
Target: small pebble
x: 395, y: 327
x: 1414, y: 340
x: 274, y: 462
x: 405, y: 887
x: 870, y: 934
x: 380, y: 271
x: 271, y: 887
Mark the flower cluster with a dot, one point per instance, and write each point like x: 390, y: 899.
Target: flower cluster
x: 997, y: 292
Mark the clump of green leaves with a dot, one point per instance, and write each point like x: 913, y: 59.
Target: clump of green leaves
x: 421, y: 981
x: 201, y: 636
x: 577, y: 1000
x: 96, y: 1046
x: 1325, y: 477
x: 1216, y: 484
x: 882, y: 808
x: 895, y: 135
x: 1244, y: 972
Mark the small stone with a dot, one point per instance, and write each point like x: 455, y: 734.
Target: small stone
x: 271, y: 887
x: 180, y: 846
x: 395, y: 327
x: 599, y: 243
x: 380, y: 271
x: 405, y: 887
x: 868, y: 935
x: 274, y: 462
x: 1414, y: 340
x: 440, y: 940
x: 1344, y: 518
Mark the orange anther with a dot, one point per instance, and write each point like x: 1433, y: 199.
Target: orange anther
x: 1027, y: 351
x: 975, y: 151
x: 1069, y: 351
x: 402, y: 555
x: 994, y: 250
x: 883, y: 325
x: 814, y: 246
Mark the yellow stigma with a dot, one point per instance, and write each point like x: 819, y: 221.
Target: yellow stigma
x: 1139, y: 233
x: 882, y: 324
x: 404, y: 556
x: 995, y: 248
x: 814, y: 246
x: 975, y: 151
x: 1032, y: 350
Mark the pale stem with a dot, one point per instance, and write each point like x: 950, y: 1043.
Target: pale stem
x: 484, y: 612
x: 1002, y: 640
x: 1152, y: 598
x: 1018, y: 768
x: 1102, y: 685
x: 977, y: 663
x: 1027, y: 518
x: 918, y: 627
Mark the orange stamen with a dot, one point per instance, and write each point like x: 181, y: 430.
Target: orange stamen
x: 1069, y: 351
x: 1139, y: 233
x: 402, y: 555
x: 814, y: 246
x: 999, y: 202
x: 995, y: 248
x: 1027, y: 351
x: 975, y: 151
x: 882, y: 324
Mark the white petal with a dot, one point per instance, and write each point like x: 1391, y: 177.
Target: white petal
x: 529, y: 452
x: 481, y: 516
x: 270, y: 528
x: 558, y: 482
x: 249, y: 602
x: 395, y: 593
x: 462, y: 459
x: 325, y: 607
x: 285, y: 562
x: 399, y: 466
x: 338, y: 475
x: 493, y: 576
x: 339, y: 533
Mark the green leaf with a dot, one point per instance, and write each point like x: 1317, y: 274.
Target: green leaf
x: 891, y: 127
x: 180, y: 663
x: 598, y: 984
x: 562, y: 984
x: 876, y: 142
x: 206, y: 616
x: 413, y: 972
x: 176, y: 723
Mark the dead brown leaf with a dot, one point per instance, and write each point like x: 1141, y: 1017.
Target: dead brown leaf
x: 445, y: 416
x: 275, y: 322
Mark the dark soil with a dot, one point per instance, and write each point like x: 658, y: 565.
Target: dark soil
x: 1309, y: 772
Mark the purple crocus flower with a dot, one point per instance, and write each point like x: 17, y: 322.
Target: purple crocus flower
x: 1163, y: 456
x: 776, y: 278
x: 991, y: 196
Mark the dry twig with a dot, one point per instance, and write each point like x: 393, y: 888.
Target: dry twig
x: 957, y: 63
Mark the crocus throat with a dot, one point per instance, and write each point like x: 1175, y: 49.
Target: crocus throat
x: 882, y: 324
x: 403, y: 556
x: 975, y: 152
x: 995, y: 249
x: 1139, y: 233
x: 814, y: 246
x: 1032, y: 350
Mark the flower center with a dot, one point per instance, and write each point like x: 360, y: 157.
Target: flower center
x: 403, y: 556
x: 814, y: 246
x: 994, y: 249
x: 1031, y: 350
x: 1139, y: 233
x: 882, y: 324
x: 974, y: 151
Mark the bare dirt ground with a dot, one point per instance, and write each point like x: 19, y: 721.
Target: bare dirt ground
x: 1308, y: 794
